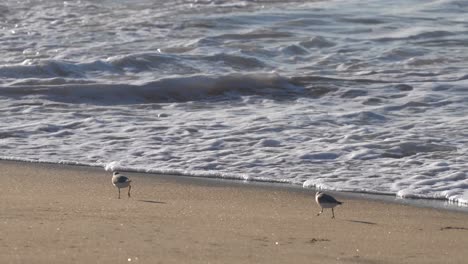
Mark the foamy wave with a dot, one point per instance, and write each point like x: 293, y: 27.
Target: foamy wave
x: 136, y: 65
x: 117, y: 165
x: 166, y: 89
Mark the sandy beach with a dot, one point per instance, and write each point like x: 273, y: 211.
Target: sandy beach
x: 71, y: 214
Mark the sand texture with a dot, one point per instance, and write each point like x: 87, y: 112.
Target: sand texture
x: 71, y: 214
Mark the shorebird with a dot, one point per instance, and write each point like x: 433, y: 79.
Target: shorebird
x: 121, y: 181
x: 326, y: 201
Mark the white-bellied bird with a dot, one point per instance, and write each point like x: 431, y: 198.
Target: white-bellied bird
x: 121, y: 181
x: 326, y: 201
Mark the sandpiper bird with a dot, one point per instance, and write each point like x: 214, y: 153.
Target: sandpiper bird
x: 121, y: 181
x: 326, y: 201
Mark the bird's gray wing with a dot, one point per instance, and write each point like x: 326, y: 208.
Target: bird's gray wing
x: 122, y: 179
x: 328, y: 199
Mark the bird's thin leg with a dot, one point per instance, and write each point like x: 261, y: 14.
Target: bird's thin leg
x: 333, y: 213
x: 119, y: 192
x: 321, y: 211
x: 129, y: 188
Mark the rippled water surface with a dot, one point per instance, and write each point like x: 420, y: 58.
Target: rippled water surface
x: 364, y: 96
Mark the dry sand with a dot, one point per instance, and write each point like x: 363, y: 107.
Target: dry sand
x: 70, y: 214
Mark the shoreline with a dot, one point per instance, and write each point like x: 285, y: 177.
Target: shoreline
x: 386, y: 198
x: 71, y: 214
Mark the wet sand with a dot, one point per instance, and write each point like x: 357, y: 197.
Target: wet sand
x: 71, y: 214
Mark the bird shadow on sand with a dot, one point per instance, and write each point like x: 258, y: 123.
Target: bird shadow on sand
x: 361, y: 222
x: 151, y: 201
x: 453, y: 228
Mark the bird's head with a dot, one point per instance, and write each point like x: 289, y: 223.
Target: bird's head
x: 116, y: 173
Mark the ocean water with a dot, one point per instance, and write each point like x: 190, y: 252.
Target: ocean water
x: 361, y: 96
